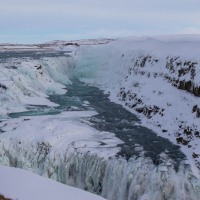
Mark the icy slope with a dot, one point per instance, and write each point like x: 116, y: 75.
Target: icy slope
x: 158, y: 78
x: 33, y: 187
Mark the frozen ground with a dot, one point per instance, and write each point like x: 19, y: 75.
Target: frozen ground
x: 24, y: 185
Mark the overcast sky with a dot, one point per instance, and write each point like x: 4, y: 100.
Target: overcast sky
x: 34, y: 21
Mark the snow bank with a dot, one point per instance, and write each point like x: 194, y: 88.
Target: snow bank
x: 23, y: 185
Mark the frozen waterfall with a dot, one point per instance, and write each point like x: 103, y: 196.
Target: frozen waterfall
x: 112, y: 178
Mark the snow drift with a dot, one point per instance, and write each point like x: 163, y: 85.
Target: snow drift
x: 33, y: 187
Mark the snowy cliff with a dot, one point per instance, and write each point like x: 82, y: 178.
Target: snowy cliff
x: 157, y: 78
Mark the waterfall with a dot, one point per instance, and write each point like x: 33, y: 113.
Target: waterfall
x: 113, y: 178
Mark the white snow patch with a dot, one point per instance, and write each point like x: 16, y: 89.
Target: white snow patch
x: 24, y: 185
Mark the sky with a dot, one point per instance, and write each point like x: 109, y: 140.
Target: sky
x: 37, y: 21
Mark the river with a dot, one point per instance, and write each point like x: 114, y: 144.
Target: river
x: 113, y: 118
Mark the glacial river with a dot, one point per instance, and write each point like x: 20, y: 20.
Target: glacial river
x: 138, y: 140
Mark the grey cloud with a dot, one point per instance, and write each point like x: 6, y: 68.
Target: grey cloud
x: 87, y: 17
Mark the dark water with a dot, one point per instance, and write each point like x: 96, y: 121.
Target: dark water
x: 113, y: 118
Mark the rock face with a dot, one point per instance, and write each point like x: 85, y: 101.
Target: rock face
x: 177, y: 72
x: 3, y: 198
x: 138, y: 104
x: 183, y: 69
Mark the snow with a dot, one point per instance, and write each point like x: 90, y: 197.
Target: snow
x: 19, y: 184
x: 61, y: 132
x: 20, y: 47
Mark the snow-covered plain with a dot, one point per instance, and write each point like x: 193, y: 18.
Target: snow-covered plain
x: 24, y: 185
x: 156, y: 78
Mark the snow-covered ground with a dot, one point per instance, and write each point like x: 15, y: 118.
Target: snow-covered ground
x: 24, y: 185
x: 59, y: 45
